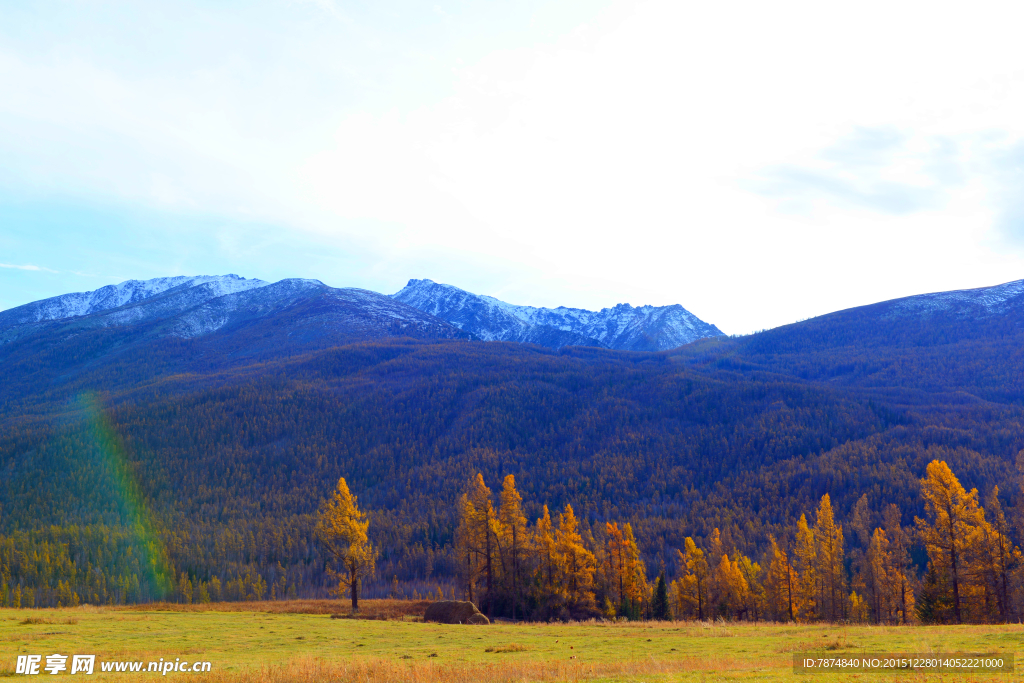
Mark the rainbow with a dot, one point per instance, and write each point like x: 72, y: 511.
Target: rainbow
x: 126, y: 486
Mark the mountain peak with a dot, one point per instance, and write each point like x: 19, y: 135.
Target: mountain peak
x: 643, y: 328
x: 124, y: 293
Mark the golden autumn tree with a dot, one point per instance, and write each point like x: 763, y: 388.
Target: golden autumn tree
x: 341, y: 527
x: 880, y: 584
x: 715, y: 548
x: 512, y: 539
x: 545, y: 549
x: 805, y: 556
x: 576, y: 564
x: 634, y: 571
x: 481, y: 527
x: 691, y: 589
x: 860, y: 520
x: 953, y: 519
x: 466, y: 545
x: 780, y: 584
x: 615, y: 561
x: 730, y: 587
x: 861, y: 527
x: 997, y: 557
x: 751, y: 572
x: 859, y: 608
x: 828, y: 539
x: 899, y: 563
x: 715, y: 551
x: 681, y: 597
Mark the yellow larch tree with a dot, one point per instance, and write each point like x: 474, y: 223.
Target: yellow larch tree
x: 576, y: 564
x: 715, y: 551
x: 465, y: 547
x: 953, y: 519
x: 997, y: 556
x: 805, y: 559
x: 615, y: 561
x: 879, y: 560
x: 634, y: 570
x: 484, y: 526
x: 545, y: 549
x: 751, y: 572
x: 780, y: 584
x: 899, y: 567
x: 691, y: 589
x: 715, y: 548
x: 512, y: 539
x: 730, y: 587
x: 828, y: 537
x: 342, y: 528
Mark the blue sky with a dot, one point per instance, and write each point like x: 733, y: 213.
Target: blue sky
x: 757, y: 162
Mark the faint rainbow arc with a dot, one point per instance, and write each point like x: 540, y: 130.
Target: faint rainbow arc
x: 140, y: 518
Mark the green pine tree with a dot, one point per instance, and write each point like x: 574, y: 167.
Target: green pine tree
x: 927, y: 606
x: 659, y: 607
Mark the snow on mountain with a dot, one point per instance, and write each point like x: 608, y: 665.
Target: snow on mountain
x: 216, y: 312
x: 123, y: 294
x: 643, y: 328
x: 963, y: 302
x: 292, y: 313
x: 196, y: 306
x: 323, y: 308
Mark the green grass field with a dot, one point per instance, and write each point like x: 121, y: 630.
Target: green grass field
x: 291, y: 646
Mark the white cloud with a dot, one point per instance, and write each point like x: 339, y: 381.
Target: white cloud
x: 27, y: 267
x: 757, y: 162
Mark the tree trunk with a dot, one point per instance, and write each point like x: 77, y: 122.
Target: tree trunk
x: 1004, y: 597
x: 618, y: 550
x: 490, y: 591
x: 789, y: 591
x: 515, y: 572
x: 700, y: 599
x: 903, y: 597
x: 953, y: 567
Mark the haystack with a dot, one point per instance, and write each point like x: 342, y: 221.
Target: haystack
x: 454, y: 612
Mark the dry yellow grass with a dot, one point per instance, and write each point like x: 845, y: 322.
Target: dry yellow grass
x: 314, y: 670
x: 368, y: 609
x: 298, y: 641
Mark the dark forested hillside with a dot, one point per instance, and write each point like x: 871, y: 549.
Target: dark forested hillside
x: 966, y: 341
x: 131, y: 468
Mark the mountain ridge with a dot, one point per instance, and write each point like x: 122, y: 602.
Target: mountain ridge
x: 196, y: 306
x: 622, y: 327
x: 77, y: 304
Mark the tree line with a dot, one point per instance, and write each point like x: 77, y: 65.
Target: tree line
x: 561, y: 567
x: 554, y: 568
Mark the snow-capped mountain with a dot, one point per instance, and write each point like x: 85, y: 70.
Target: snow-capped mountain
x: 191, y: 327
x: 294, y: 311
x: 642, y: 328
x: 199, y: 288
x: 309, y: 309
x: 962, y: 302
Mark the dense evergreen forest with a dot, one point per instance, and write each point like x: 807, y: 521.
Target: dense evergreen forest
x: 174, y: 473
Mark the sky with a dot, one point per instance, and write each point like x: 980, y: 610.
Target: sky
x: 758, y: 163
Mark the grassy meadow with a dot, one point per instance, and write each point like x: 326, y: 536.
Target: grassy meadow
x: 299, y: 641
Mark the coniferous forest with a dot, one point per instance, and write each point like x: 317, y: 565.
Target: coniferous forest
x: 843, y: 468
